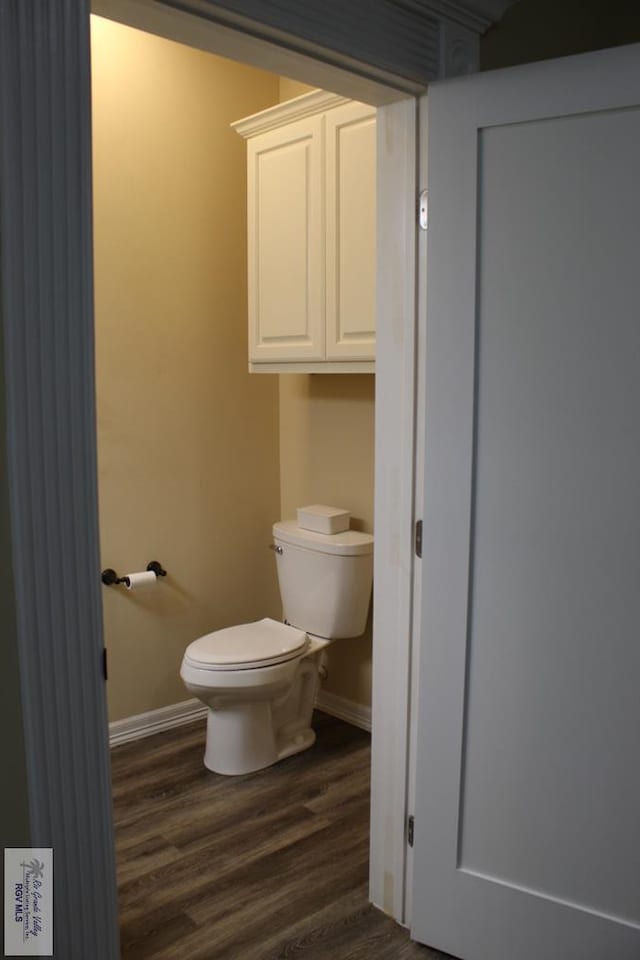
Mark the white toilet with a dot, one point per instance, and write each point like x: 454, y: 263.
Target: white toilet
x: 260, y: 679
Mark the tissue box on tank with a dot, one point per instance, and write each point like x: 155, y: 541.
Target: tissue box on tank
x: 323, y: 519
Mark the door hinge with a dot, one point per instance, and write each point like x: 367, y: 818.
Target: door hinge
x: 423, y: 209
x: 104, y: 662
x: 418, y: 539
x: 410, y: 828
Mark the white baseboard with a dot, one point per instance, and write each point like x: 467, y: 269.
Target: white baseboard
x: 155, y: 721
x: 177, y: 714
x: 347, y: 710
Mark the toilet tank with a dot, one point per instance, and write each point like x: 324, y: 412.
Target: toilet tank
x: 325, y: 579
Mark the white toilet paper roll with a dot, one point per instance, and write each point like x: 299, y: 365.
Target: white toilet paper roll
x: 143, y: 579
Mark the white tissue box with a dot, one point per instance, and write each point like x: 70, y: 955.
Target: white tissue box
x: 322, y: 519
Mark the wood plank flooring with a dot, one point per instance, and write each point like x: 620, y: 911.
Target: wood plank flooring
x: 266, y: 866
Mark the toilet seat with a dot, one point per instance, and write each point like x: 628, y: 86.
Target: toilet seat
x: 249, y: 645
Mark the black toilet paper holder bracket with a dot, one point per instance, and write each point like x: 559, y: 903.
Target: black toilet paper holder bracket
x: 109, y: 576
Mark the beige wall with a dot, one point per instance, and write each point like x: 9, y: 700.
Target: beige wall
x: 327, y: 443
x: 292, y: 88
x: 195, y: 462
x: 188, y: 440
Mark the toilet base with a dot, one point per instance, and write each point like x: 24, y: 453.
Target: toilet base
x: 252, y: 733
x: 241, y: 740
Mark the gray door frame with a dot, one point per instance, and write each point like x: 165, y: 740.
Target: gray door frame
x: 47, y: 328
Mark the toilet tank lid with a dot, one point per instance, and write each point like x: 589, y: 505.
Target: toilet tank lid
x: 347, y: 544
x: 247, y: 643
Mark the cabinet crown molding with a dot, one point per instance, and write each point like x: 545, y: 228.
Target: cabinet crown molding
x: 281, y: 113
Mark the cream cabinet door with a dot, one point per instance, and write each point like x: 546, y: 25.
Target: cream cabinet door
x: 285, y: 196
x: 351, y: 232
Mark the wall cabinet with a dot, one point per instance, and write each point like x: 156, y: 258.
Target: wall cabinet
x: 311, y: 182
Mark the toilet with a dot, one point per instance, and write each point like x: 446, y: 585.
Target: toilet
x: 260, y: 679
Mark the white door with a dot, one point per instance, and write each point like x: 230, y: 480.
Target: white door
x: 527, y: 808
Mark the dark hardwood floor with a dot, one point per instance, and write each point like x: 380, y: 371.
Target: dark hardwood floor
x: 265, y: 866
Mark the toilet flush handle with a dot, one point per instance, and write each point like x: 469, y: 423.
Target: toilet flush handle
x: 278, y: 549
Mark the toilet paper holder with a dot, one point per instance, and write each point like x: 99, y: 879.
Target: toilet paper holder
x: 109, y: 577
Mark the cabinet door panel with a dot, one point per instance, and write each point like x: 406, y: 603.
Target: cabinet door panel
x: 351, y: 232
x: 285, y: 228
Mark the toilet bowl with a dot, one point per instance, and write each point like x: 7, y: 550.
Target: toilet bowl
x: 260, y: 679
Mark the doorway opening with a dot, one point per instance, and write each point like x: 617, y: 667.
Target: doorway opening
x: 279, y: 437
